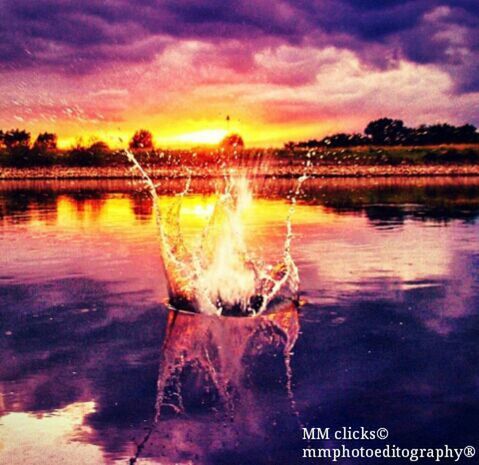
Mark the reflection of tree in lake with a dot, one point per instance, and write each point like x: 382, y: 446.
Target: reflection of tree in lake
x: 21, y: 205
x: 84, y: 201
x: 18, y: 205
x: 392, y: 202
x: 383, y: 200
x: 142, y: 206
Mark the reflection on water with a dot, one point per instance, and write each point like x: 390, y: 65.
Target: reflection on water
x: 389, y: 331
x: 219, y: 372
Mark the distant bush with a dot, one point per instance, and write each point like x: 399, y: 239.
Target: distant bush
x: 46, y: 142
x: 345, y: 140
x: 94, y: 155
x: 142, y: 140
x: 393, y: 132
x: 232, y: 141
x: 18, y: 152
x: 15, y: 138
x: 20, y: 156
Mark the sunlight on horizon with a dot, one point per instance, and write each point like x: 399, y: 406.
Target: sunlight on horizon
x: 205, y: 136
x: 188, y: 134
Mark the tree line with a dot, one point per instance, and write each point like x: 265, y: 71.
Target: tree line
x: 17, y: 149
x: 390, y: 132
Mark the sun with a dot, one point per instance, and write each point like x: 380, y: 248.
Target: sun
x: 205, y: 136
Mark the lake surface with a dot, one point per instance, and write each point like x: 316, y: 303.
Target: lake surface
x: 387, y: 335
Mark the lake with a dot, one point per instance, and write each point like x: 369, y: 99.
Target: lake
x: 94, y: 369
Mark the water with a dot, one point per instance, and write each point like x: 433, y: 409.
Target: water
x: 220, y: 276
x: 91, y: 357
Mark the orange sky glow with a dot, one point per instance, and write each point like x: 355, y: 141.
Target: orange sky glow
x: 277, y: 76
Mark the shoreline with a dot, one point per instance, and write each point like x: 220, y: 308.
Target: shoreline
x: 324, y: 171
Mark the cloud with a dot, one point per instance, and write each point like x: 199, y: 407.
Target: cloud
x: 309, y: 66
x: 79, y: 37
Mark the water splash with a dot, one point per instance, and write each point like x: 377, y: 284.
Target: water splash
x: 221, y: 276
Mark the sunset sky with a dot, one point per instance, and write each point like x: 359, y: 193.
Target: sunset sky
x: 283, y: 70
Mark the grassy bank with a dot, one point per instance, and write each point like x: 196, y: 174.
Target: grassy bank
x: 448, y: 160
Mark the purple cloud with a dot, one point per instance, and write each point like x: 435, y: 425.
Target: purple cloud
x: 68, y: 36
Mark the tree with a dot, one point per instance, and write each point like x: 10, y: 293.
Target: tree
x: 17, y: 143
x: 232, y: 141
x: 468, y: 133
x: 344, y: 140
x: 16, y: 138
x: 46, y: 141
x: 387, y: 131
x: 142, y: 139
x: 94, y: 155
x: 99, y: 147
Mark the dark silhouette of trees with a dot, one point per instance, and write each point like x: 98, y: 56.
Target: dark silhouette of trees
x: 142, y: 139
x: 289, y: 145
x: 232, y: 141
x: 467, y: 133
x: 94, y: 155
x: 45, y: 142
x: 16, y: 138
x: 99, y: 147
x: 443, y: 134
x: 17, y: 145
x: 345, y: 140
x: 41, y: 154
x: 308, y: 144
x: 387, y: 131
x: 16, y: 148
